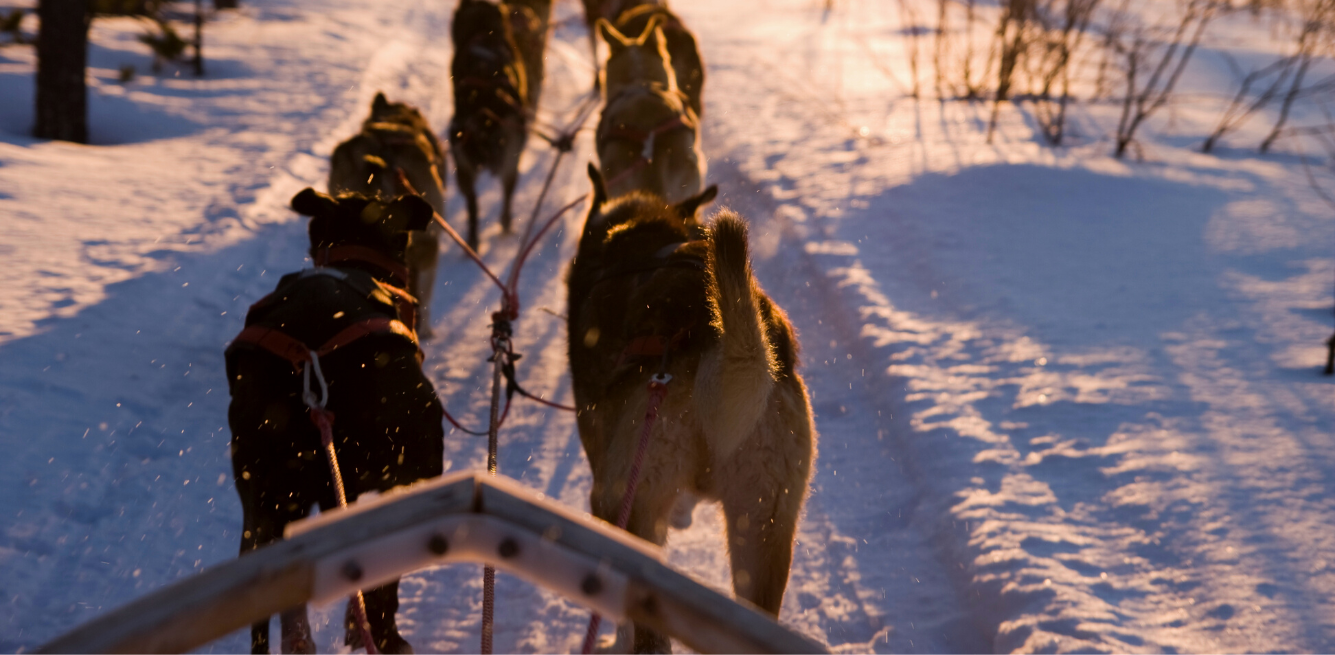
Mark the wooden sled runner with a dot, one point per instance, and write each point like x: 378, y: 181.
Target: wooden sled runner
x: 464, y: 517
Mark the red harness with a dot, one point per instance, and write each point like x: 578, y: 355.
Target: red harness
x: 637, y: 135
x: 651, y: 345
x: 279, y: 343
x: 293, y: 350
x: 349, y: 253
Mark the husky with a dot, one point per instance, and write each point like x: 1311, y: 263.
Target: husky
x: 490, y: 124
x: 394, y: 154
x: 652, y: 290
x: 530, y: 23
x: 387, y: 419
x: 648, y: 136
x: 682, y: 49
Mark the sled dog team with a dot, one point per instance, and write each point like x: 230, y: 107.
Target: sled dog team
x: 652, y: 290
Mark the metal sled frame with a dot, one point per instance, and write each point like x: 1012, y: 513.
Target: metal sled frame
x: 464, y: 517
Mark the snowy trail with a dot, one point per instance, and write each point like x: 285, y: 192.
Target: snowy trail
x: 1065, y: 402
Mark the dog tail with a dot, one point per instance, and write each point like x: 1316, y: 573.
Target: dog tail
x: 735, y: 381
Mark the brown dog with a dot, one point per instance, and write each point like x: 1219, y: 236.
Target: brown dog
x: 387, y: 420
x: 395, y: 154
x: 653, y: 290
x: 682, y: 50
x: 530, y: 23
x: 490, y: 124
x: 648, y: 136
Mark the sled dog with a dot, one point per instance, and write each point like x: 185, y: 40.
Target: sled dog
x: 653, y: 290
x: 648, y: 137
x: 530, y: 23
x: 682, y: 50
x: 387, y: 420
x: 396, y: 153
x: 490, y: 124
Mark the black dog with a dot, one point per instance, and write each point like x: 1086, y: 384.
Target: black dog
x: 387, y: 420
x: 490, y: 124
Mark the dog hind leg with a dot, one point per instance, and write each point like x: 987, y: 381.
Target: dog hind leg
x: 648, y: 521
x: 296, y: 631
x: 466, y: 174
x: 508, y: 180
x: 259, y: 636
x: 761, y: 525
x: 382, y: 604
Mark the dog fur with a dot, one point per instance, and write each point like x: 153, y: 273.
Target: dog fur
x: 735, y: 425
x: 683, y: 52
x: 395, y: 136
x: 530, y: 23
x: 593, y: 11
x: 648, y: 137
x: 387, y: 429
x: 490, y: 124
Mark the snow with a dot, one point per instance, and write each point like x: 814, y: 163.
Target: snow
x: 1066, y: 402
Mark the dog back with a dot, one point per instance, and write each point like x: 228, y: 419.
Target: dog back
x: 490, y: 85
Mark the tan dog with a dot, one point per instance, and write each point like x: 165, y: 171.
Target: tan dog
x: 682, y: 50
x: 593, y: 11
x: 396, y: 154
x: 652, y: 289
x: 648, y: 137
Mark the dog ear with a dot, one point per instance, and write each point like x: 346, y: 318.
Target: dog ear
x: 595, y: 216
x: 615, y: 40
x: 380, y: 103
x: 309, y: 202
x: 599, y: 186
x: 687, y: 208
x: 407, y: 213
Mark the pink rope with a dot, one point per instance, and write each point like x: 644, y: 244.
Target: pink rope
x: 657, y: 392
x: 324, y: 420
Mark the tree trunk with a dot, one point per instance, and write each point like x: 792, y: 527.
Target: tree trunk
x: 62, y: 57
x: 199, y: 38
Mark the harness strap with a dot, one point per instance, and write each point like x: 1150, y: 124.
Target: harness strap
x: 354, y: 253
x: 391, y: 134
x: 662, y: 262
x: 294, y: 351
x: 621, y: 132
x: 505, y: 90
x: 404, y: 303
x: 651, y: 345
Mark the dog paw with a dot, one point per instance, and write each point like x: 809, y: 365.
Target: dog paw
x: 618, y: 642
x: 682, y: 509
x: 397, y: 645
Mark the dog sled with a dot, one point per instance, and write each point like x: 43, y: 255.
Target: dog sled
x: 466, y: 517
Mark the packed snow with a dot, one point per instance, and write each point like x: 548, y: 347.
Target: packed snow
x: 1066, y: 402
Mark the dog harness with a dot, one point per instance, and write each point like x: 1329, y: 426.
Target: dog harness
x: 644, y: 137
x: 669, y: 256
x: 298, y: 353
x: 305, y: 359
